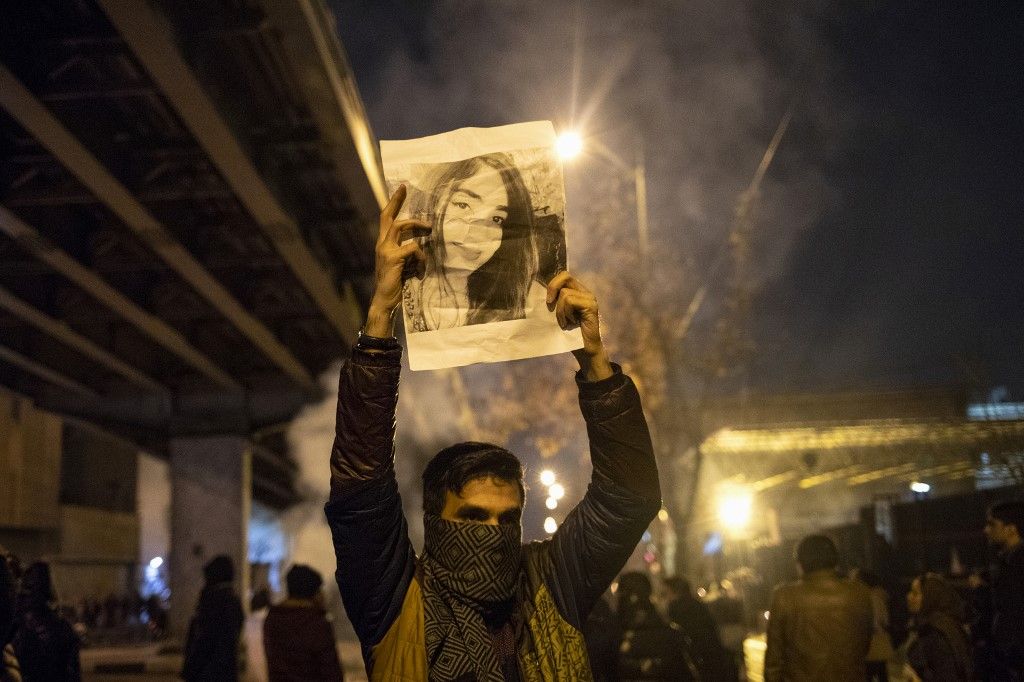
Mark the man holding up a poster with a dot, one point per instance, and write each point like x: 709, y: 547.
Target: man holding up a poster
x: 477, y: 604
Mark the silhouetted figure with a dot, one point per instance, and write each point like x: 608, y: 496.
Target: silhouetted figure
x: 694, y: 620
x: 603, y: 635
x: 298, y: 639
x: 938, y: 649
x: 1004, y: 528
x: 9, y: 668
x: 980, y: 609
x: 651, y: 648
x: 820, y: 626
x: 211, y: 648
x: 44, y: 643
x: 880, y: 652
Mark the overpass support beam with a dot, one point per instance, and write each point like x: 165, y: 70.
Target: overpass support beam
x: 210, y: 500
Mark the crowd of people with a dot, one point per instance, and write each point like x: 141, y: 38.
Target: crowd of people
x: 479, y: 604
x: 825, y: 626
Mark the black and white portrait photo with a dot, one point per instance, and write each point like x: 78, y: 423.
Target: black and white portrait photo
x: 498, y: 237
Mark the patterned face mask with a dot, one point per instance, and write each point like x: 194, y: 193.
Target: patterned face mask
x: 474, y: 560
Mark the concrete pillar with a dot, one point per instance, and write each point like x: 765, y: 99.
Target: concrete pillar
x: 210, y: 500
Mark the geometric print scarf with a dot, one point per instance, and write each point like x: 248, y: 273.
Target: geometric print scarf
x: 469, y: 571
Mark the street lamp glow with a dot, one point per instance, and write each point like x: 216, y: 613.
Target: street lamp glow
x: 919, y: 487
x: 735, y: 509
x: 557, y: 491
x: 569, y: 145
x: 547, y: 477
x: 551, y: 503
x: 550, y: 525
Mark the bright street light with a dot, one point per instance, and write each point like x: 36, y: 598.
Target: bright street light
x: 547, y: 477
x: 551, y: 503
x: 557, y: 491
x: 550, y: 525
x: 735, y: 508
x: 919, y: 487
x: 569, y: 145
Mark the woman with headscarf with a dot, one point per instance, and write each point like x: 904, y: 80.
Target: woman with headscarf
x: 45, y: 644
x: 938, y: 649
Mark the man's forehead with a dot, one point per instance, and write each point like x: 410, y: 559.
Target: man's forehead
x: 489, y: 487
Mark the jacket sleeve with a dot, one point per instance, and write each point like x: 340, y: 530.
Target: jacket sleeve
x: 775, y: 651
x: 597, y: 537
x: 371, y: 539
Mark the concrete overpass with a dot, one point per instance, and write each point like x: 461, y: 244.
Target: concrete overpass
x: 188, y: 193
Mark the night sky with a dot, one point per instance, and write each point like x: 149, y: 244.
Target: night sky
x: 889, y: 235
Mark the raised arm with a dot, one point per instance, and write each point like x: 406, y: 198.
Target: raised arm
x: 371, y: 541
x: 624, y: 495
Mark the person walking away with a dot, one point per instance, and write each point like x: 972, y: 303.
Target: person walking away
x: 938, y: 649
x: 651, y: 648
x: 298, y: 638
x: 45, y: 644
x: 819, y: 627
x: 881, y: 651
x: 211, y: 648
x: 1003, y: 528
x: 694, y: 619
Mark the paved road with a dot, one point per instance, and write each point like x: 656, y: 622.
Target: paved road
x: 163, y: 666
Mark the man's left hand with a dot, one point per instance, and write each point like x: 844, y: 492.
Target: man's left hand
x: 576, y: 306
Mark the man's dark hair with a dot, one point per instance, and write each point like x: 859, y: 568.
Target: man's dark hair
x: 220, y: 569
x: 303, y: 582
x: 1010, y: 512
x: 816, y: 553
x: 455, y: 466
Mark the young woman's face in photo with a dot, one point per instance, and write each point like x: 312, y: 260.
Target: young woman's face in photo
x: 477, y: 208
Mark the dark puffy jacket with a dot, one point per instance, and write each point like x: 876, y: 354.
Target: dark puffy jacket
x: 299, y: 643
x: 819, y: 629
x: 211, y: 648
x: 562, y: 577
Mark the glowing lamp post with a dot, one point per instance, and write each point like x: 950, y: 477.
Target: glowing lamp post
x: 735, y: 509
x: 569, y: 145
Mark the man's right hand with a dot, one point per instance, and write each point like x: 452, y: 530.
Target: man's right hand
x: 395, y: 253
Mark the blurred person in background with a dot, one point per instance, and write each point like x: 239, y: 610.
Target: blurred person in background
x: 1003, y: 528
x: 819, y: 627
x: 603, y: 634
x: 211, y: 648
x: 45, y: 644
x: 297, y: 637
x: 881, y: 650
x: 651, y: 648
x: 694, y: 619
x: 938, y: 649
